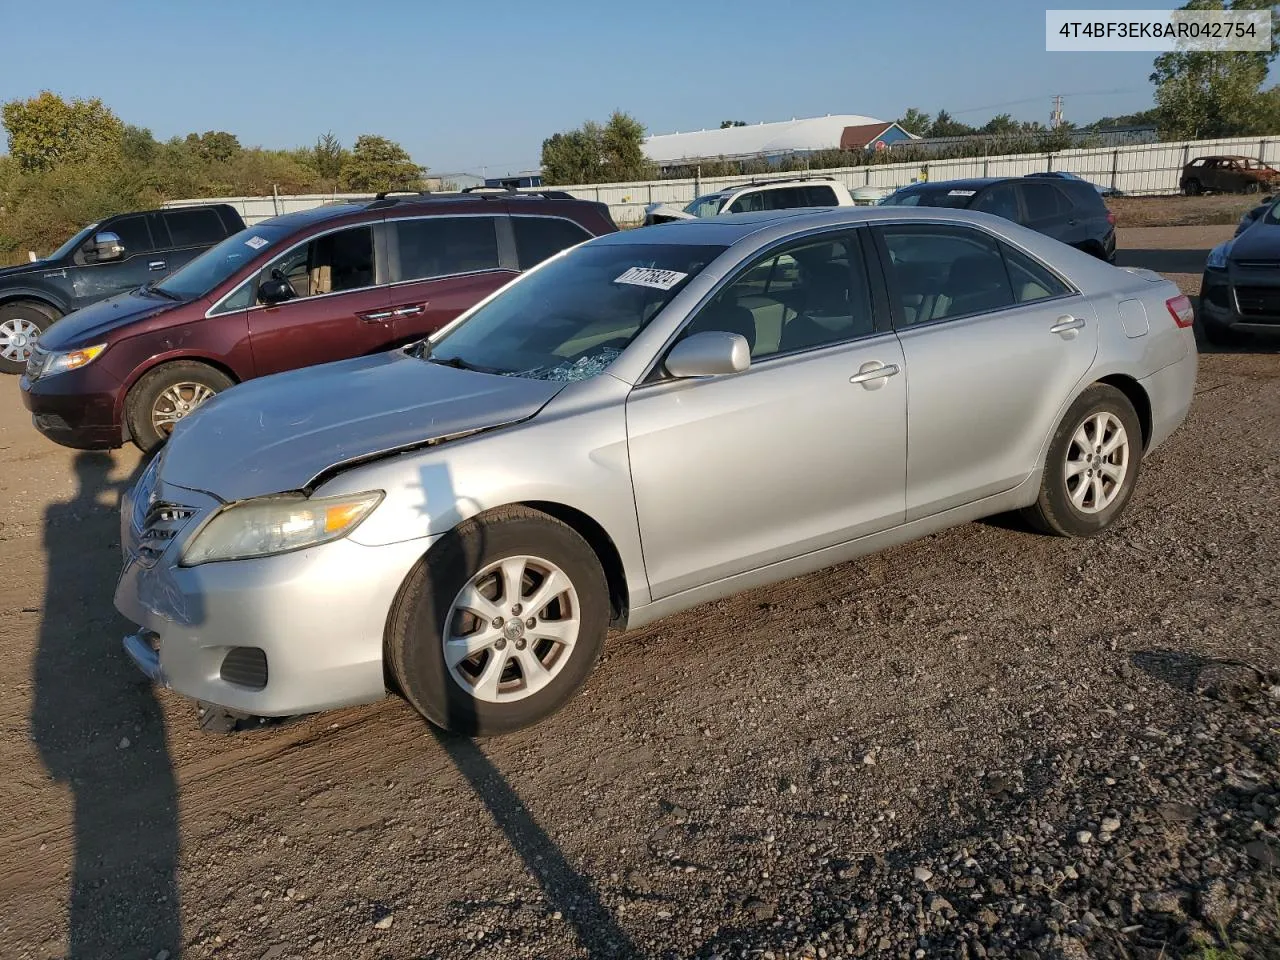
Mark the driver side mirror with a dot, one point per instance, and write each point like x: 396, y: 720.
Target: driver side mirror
x: 712, y: 353
x: 107, y: 246
x: 274, y: 290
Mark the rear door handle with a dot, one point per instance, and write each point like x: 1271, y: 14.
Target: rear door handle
x: 1066, y: 327
x: 376, y: 316
x: 156, y: 265
x: 873, y: 374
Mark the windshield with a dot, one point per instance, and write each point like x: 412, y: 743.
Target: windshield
x: 707, y: 206
x: 570, y: 319
x: 1273, y: 213
x: 73, y: 243
x: 218, y: 263
x: 939, y: 196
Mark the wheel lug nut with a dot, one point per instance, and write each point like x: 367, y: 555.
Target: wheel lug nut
x: 497, y: 622
x: 519, y: 644
x: 500, y: 645
x: 515, y: 610
x: 531, y: 623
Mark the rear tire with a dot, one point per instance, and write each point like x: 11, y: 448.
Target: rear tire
x: 21, y: 324
x: 1192, y: 188
x: 167, y: 394
x: 1091, y: 467
x: 515, y: 676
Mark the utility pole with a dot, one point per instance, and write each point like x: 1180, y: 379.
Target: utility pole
x: 1055, y: 115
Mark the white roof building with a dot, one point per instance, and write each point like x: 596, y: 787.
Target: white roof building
x: 758, y: 139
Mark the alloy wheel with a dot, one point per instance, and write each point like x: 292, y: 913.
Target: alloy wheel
x: 1097, y: 462
x: 176, y: 402
x: 511, y: 630
x: 17, y: 337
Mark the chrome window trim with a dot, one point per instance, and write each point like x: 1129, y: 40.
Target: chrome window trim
x: 371, y: 224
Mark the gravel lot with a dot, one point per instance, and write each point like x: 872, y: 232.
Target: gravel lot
x: 986, y: 743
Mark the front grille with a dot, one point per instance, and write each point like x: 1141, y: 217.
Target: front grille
x: 1258, y: 301
x: 161, y: 523
x: 245, y: 667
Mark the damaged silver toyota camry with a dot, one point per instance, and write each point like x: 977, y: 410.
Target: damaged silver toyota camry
x: 650, y: 420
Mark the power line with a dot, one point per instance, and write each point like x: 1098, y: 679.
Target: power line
x: 1040, y: 98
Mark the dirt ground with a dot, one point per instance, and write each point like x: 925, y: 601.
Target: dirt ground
x: 722, y: 770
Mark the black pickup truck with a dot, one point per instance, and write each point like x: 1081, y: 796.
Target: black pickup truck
x: 111, y: 256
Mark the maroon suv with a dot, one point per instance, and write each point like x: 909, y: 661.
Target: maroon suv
x: 326, y: 284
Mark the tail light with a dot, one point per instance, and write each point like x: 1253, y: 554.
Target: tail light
x: 1181, y: 311
x: 1111, y: 218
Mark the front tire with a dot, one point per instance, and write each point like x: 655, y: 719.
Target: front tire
x: 500, y: 624
x: 1091, y: 467
x: 167, y: 394
x: 1192, y: 188
x: 21, y: 324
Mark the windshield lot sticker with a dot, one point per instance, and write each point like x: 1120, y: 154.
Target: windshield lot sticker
x: 651, y: 277
x: 256, y: 242
x: 961, y: 193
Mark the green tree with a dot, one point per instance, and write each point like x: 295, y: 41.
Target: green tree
x: 376, y: 163
x: 945, y: 125
x: 1002, y: 124
x: 915, y: 121
x: 213, y: 146
x: 46, y: 130
x: 137, y: 145
x: 327, y: 158
x: 597, y: 154
x: 1203, y: 94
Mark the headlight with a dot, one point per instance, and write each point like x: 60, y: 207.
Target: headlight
x: 1218, y: 256
x: 70, y: 360
x: 271, y: 525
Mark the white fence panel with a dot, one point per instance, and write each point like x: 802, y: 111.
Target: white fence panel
x: 1137, y: 169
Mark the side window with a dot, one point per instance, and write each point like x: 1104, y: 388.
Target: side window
x: 538, y: 238
x: 329, y: 264
x: 194, y: 228
x: 820, y: 196
x: 444, y: 246
x: 804, y: 296
x: 937, y: 273
x: 133, y: 233
x: 1000, y: 200
x: 749, y: 203
x: 784, y: 198
x: 1043, y: 201
x: 1031, y: 280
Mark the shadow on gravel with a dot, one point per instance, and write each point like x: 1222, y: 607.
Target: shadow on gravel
x: 566, y: 890
x: 90, y: 700
x: 1180, y: 670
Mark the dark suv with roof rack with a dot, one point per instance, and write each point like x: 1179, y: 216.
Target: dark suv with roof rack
x: 325, y: 284
x: 1067, y: 210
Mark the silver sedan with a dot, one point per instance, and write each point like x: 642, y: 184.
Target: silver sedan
x: 648, y: 421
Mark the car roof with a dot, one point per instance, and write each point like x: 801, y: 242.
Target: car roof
x: 417, y: 203
x: 729, y: 229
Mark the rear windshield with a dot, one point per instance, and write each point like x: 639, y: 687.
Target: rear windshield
x: 942, y: 195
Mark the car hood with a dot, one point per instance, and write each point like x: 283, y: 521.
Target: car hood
x: 280, y: 433
x: 658, y: 212
x: 84, y: 327
x: 1259, y: 241
x: 35, y: 266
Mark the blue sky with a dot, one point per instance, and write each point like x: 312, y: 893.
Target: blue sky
x: 481, y: 86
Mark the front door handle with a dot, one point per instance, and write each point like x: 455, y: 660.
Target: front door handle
x: 1067, y: 326
x: 409, y: 311
x: 156, y: 265
x: 873, y: 374
x: 376, y: 316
